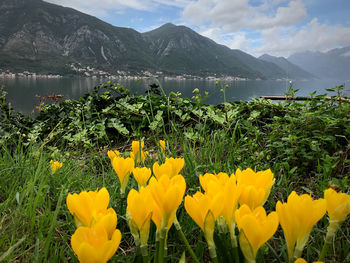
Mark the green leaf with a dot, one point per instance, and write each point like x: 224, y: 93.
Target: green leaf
x: 183, y: 258
x: 118, y: 125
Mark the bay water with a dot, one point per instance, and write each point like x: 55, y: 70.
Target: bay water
x: 23, y: 91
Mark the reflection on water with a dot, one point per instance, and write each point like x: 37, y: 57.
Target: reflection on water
x: 22, y: 91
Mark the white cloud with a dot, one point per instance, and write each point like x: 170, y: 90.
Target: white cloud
x: 238, y: 14
x: 313, y: 36
x: 279, y: 27
x: 102, y: 7
x: 236, y: 40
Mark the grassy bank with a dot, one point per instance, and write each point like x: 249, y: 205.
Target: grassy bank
x: 306, y: 145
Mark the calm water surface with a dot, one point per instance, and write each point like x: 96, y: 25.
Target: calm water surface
x: 22, y: 91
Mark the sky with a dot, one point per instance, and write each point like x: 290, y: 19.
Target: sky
x: 275, y: 27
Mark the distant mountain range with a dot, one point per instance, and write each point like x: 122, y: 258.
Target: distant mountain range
x: 334, y: 64
x: 292, y: 70
x: 47, y: 38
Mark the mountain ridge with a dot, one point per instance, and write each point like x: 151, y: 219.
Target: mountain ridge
x: 40, y: 36
x: 293, y: 71
x: 333, y: 64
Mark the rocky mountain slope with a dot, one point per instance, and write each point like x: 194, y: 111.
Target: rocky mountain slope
x: 43, y: 37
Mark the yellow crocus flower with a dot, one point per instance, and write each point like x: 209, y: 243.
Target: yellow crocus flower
x: 142, y: 175
x: 231, y: 196
x: 221, y: 182
x: 301, y: 260
x: 162, y: 145
x: 297, y: 218
x: 86, y: 206
x: 94, y: 245
x: 55, y: 166
x: 252, y: 196
x: 137, y: 151
x: 167, y: 195
x: 140, y: 210
x: 338, y: 205
x: 256, y: 228
x: 113, y: 154
x: 177, y: 164
x: 338, y: 208
x: 220, y: 178
x: 107, y: 219
x: 123, y: 168
x: 204, y: 209
x: 136, y: 146
x: 256, y: 186
x: 163, y: 169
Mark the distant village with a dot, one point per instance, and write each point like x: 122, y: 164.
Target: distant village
x: 91, y: 72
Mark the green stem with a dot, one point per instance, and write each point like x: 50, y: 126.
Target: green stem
x: 184, y: 239
x: 324, y: 250
x: 162, y: 241
x: 331, y: 230
x: 144, y: 252
x: 138, y: 250
x: 122, y: 198
x: 297, y: 253
x: 234, y: 247
x: 157, y: 251
x: 212, y: 253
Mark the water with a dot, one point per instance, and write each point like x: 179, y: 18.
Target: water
x: 22, y: 91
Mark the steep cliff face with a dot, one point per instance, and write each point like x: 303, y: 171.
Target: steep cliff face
x: 33, y: 30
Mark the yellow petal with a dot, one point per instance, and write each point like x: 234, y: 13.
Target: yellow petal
x: 256, y: 226
x: 338, y: 205
x: 177, y: 164
x: 162, y: 145
x: 123, y: 167
x: 107, y: 220
x: 112, y: 154
x: 139, y: 206
x: 172, y: 200
x: 163, y: 169
x: 142, y: 175
x: 252, y: 196
x: 88, y: 254
x: 93, y: 245
x: 193, y: 209
x: 84, y: 205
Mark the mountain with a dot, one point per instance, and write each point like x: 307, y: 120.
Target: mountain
x: 38, y: 35
x: 178, y: 48
x: 334, y: 64
x: 43, y: 37
x: 293, y: 71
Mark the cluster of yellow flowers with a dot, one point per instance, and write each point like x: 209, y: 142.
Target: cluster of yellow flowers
x: 226, y: 201
x: 219, y: 202
x: 249, y: 189
x: 55, y: 166
x: 157, y: 201
x: 124, y: 166
x: 96, y: 238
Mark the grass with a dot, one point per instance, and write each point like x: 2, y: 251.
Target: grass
x: 306, y: 145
